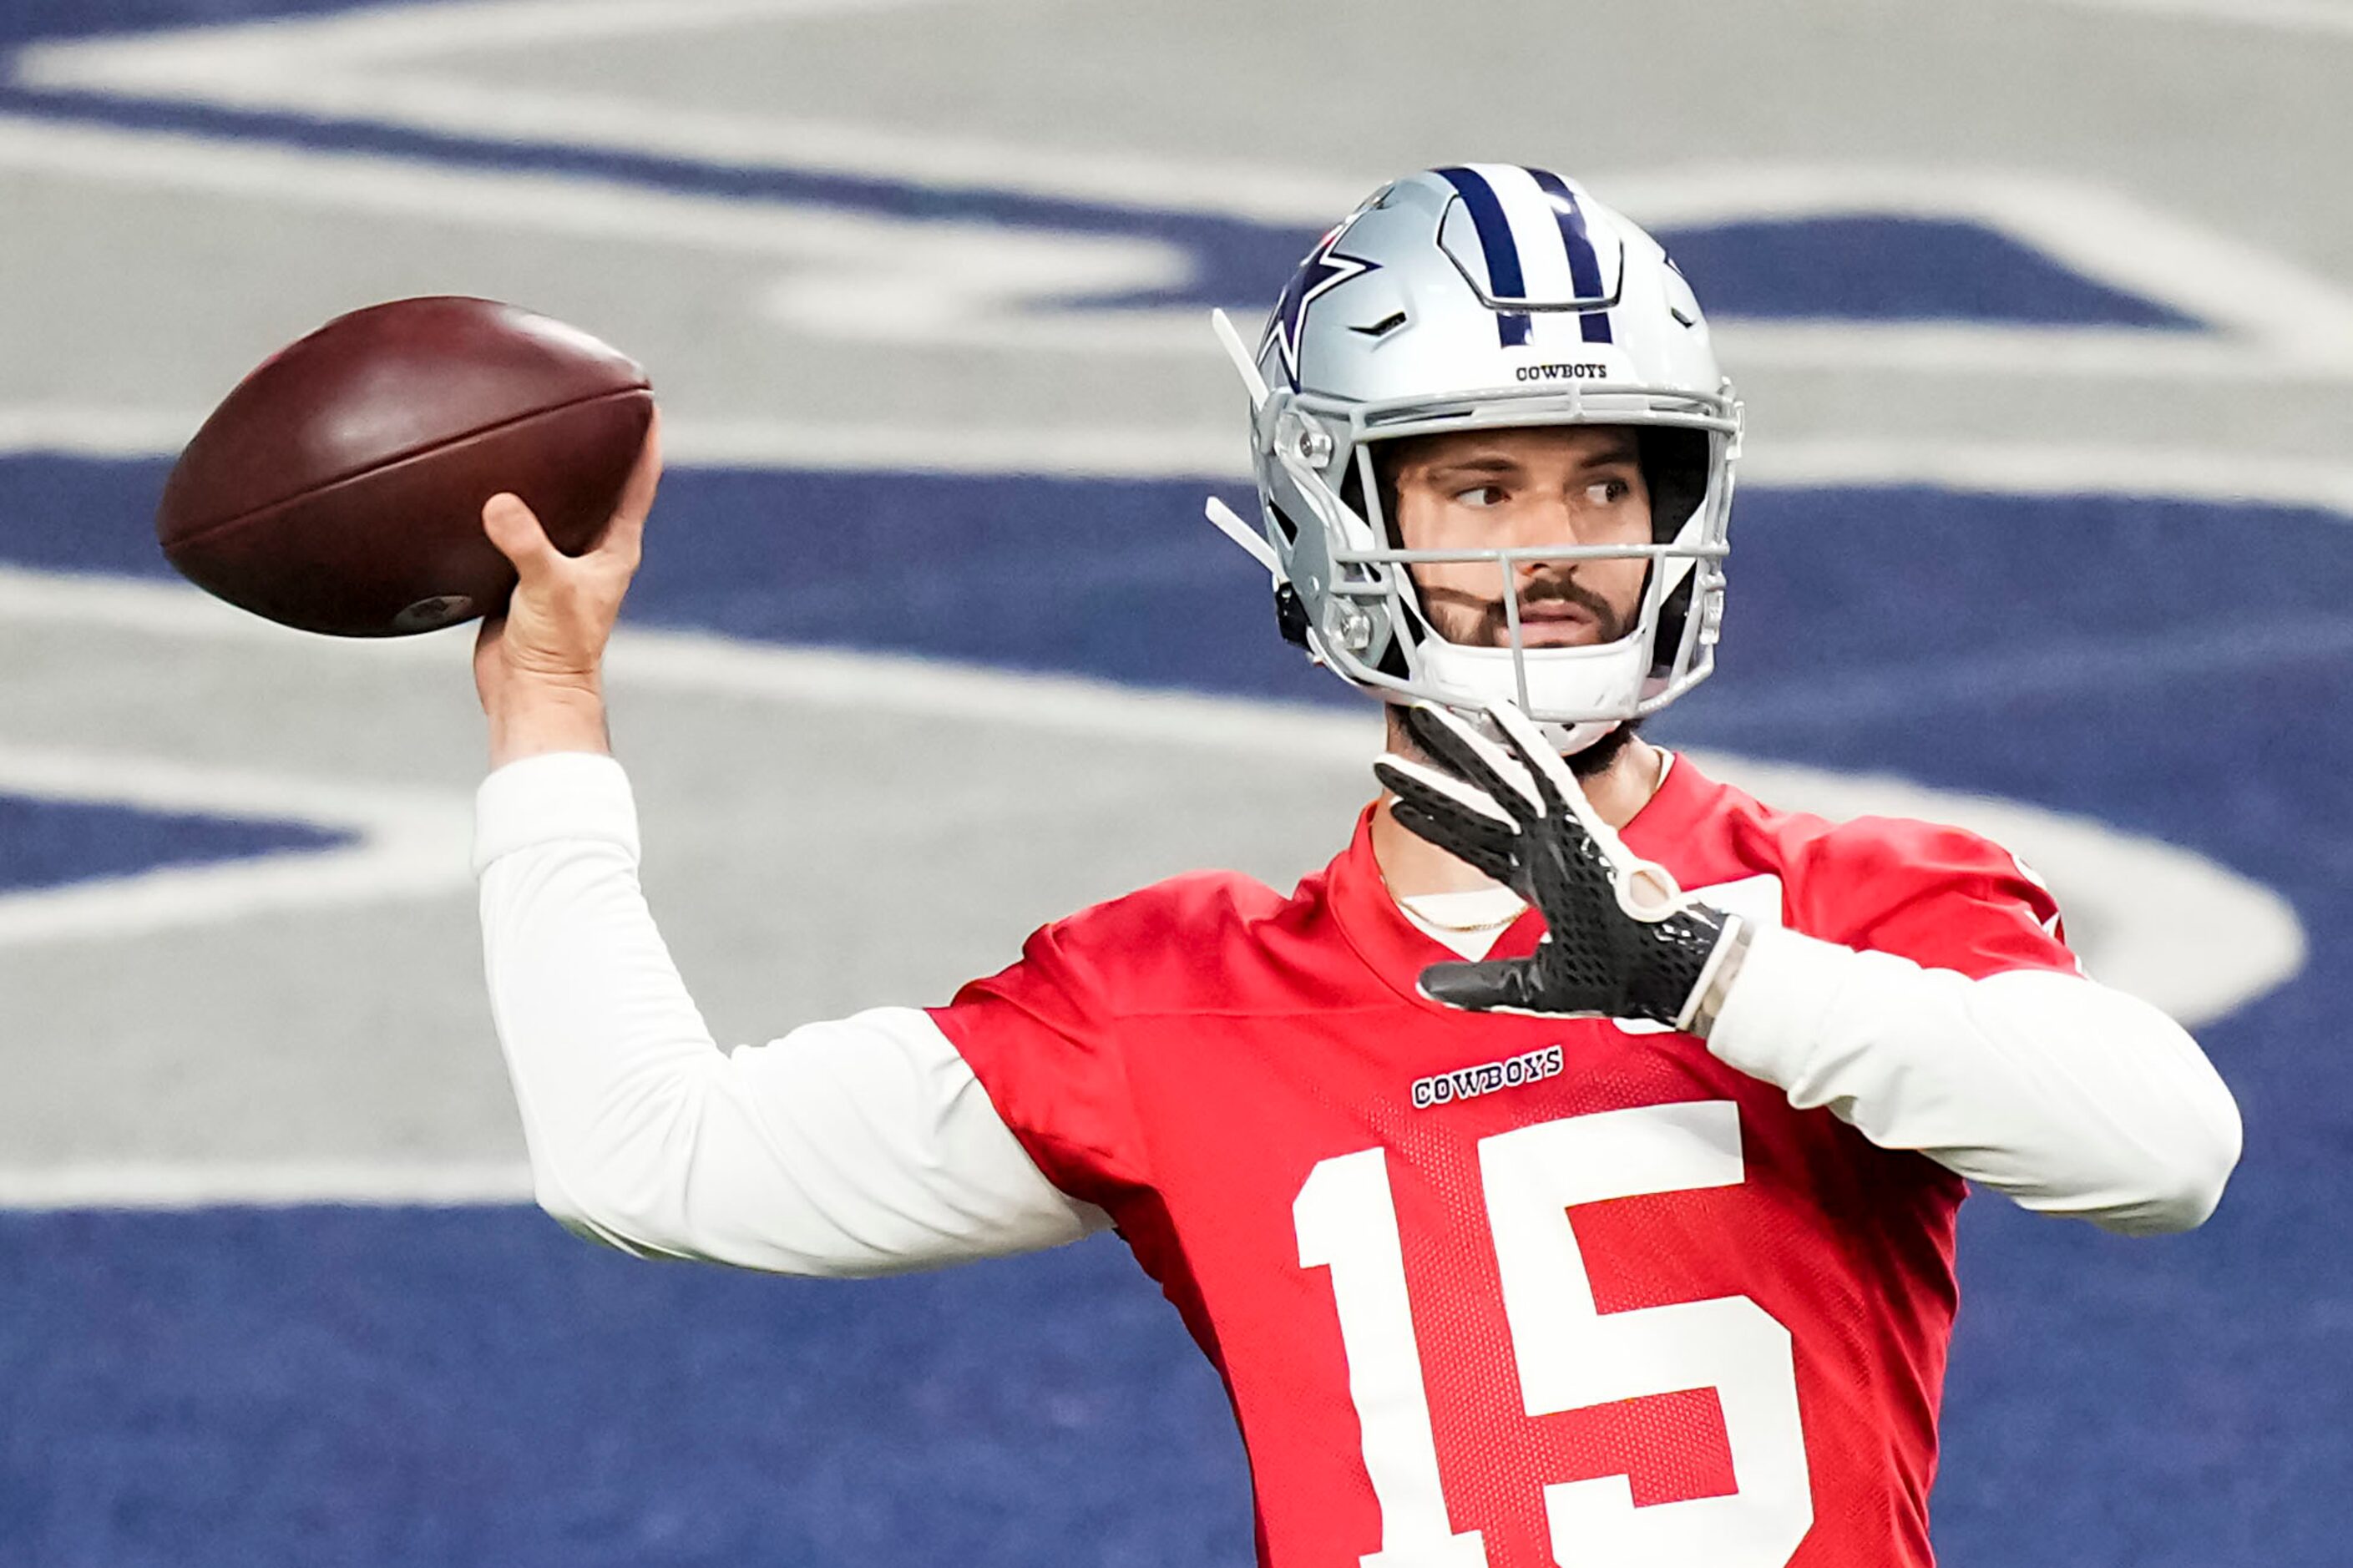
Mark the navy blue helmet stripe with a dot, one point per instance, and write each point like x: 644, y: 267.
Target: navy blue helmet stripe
x: 1505, y: 280
x: 1584, y: 261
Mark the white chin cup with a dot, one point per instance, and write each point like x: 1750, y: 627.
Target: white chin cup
x: 1577, y: 694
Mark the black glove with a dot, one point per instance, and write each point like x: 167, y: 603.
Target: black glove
x: 1510, y: 815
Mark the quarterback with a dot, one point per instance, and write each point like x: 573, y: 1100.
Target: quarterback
x: 1567, y: 1173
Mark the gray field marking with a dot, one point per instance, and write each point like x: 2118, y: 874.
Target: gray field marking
x: 1943, y: 96
x: 945, y: 284
x: 948, y: 809
x: 1210, y: 454
x: 346, y: 1050
x: 2311, y: 17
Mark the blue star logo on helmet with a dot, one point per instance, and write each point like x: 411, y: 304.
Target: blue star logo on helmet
x: 1324, y: 271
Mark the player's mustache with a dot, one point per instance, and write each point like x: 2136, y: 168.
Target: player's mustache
x: 1493, y: 627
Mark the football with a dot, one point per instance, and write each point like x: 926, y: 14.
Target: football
x: 339, y: 487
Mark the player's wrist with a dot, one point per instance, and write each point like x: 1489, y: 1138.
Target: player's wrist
x: 532, y: 716
x: 519, y: 684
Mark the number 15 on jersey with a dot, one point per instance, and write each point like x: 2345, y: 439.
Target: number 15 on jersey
x: 1570, y: 1355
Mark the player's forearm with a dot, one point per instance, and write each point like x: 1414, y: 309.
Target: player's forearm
x: 2069, y: 1097
x: 852, y: 1147
x: 600, y: 1036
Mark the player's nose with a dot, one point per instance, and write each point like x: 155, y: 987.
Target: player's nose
x: 1543, y: 519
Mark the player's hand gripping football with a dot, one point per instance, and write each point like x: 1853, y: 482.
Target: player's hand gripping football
x: 539, y: 667
x: 1622, y: 941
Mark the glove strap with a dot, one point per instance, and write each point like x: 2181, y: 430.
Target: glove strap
x: 1705, y: 1003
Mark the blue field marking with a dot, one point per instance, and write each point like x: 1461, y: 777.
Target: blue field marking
x: 290, y: 1388
x: 1898, y: 270
x: 267, y: 1388
x: 1233, y: 257
x: 396, y: 1388
x: 1851, y: 267
x: 2174, y: 668
x: 24, y: 21
x: 2163, y: 665
x: 1799, y: 268
x: 81, y: 514
x: 1839, y: 595
x: 49, y: 842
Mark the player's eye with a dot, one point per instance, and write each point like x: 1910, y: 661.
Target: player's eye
x: 1607, y: 492
x: 1482, y: 495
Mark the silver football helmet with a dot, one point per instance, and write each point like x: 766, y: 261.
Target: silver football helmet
x: 1479, y: 296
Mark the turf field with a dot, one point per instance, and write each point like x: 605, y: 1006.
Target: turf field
x: 2043, y: 310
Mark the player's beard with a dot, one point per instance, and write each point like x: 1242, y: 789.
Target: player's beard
x: 1473, y: 621
x: 1590, y: 763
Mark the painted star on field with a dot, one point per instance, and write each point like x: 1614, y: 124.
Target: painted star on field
x: 1323, y: 269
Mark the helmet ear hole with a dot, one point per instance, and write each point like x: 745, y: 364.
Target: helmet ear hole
x: 1375, y: 459
x: 1352, y: 491
x: 1291, y: 615
x: 1675, y: 464
x: 1673, y: 615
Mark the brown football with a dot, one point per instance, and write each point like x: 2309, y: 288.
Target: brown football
x: 340, y: 487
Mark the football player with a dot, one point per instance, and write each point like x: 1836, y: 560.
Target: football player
x: 1565, y: 1174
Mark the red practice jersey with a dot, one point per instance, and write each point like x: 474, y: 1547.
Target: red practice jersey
x: 1511, y: 1290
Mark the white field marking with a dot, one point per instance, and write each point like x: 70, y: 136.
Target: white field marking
x: 410, y: 842
x: 192, y: 1184
x: 364, y: 65
x: 2019, y: 353
x: 870, y: 311
x: 1067, y: 450
x: 1214, y: 455
x: 614, y: 123
x: 2160, y: 921
x: 2133, y: 897
x: 2287, y: 16
x: 83, y: 430
x: 345, y: 68
x: 2276, y: 320
x: 2152, y: 920
x: 381, y: 33
x: 1994, y: 468
x: 706, y: 663
x: 936, y: 269
x: 2294, y: 316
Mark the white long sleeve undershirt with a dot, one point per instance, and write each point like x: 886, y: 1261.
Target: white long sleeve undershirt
x: 2063, y: 1095
x: 865, y: 1145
